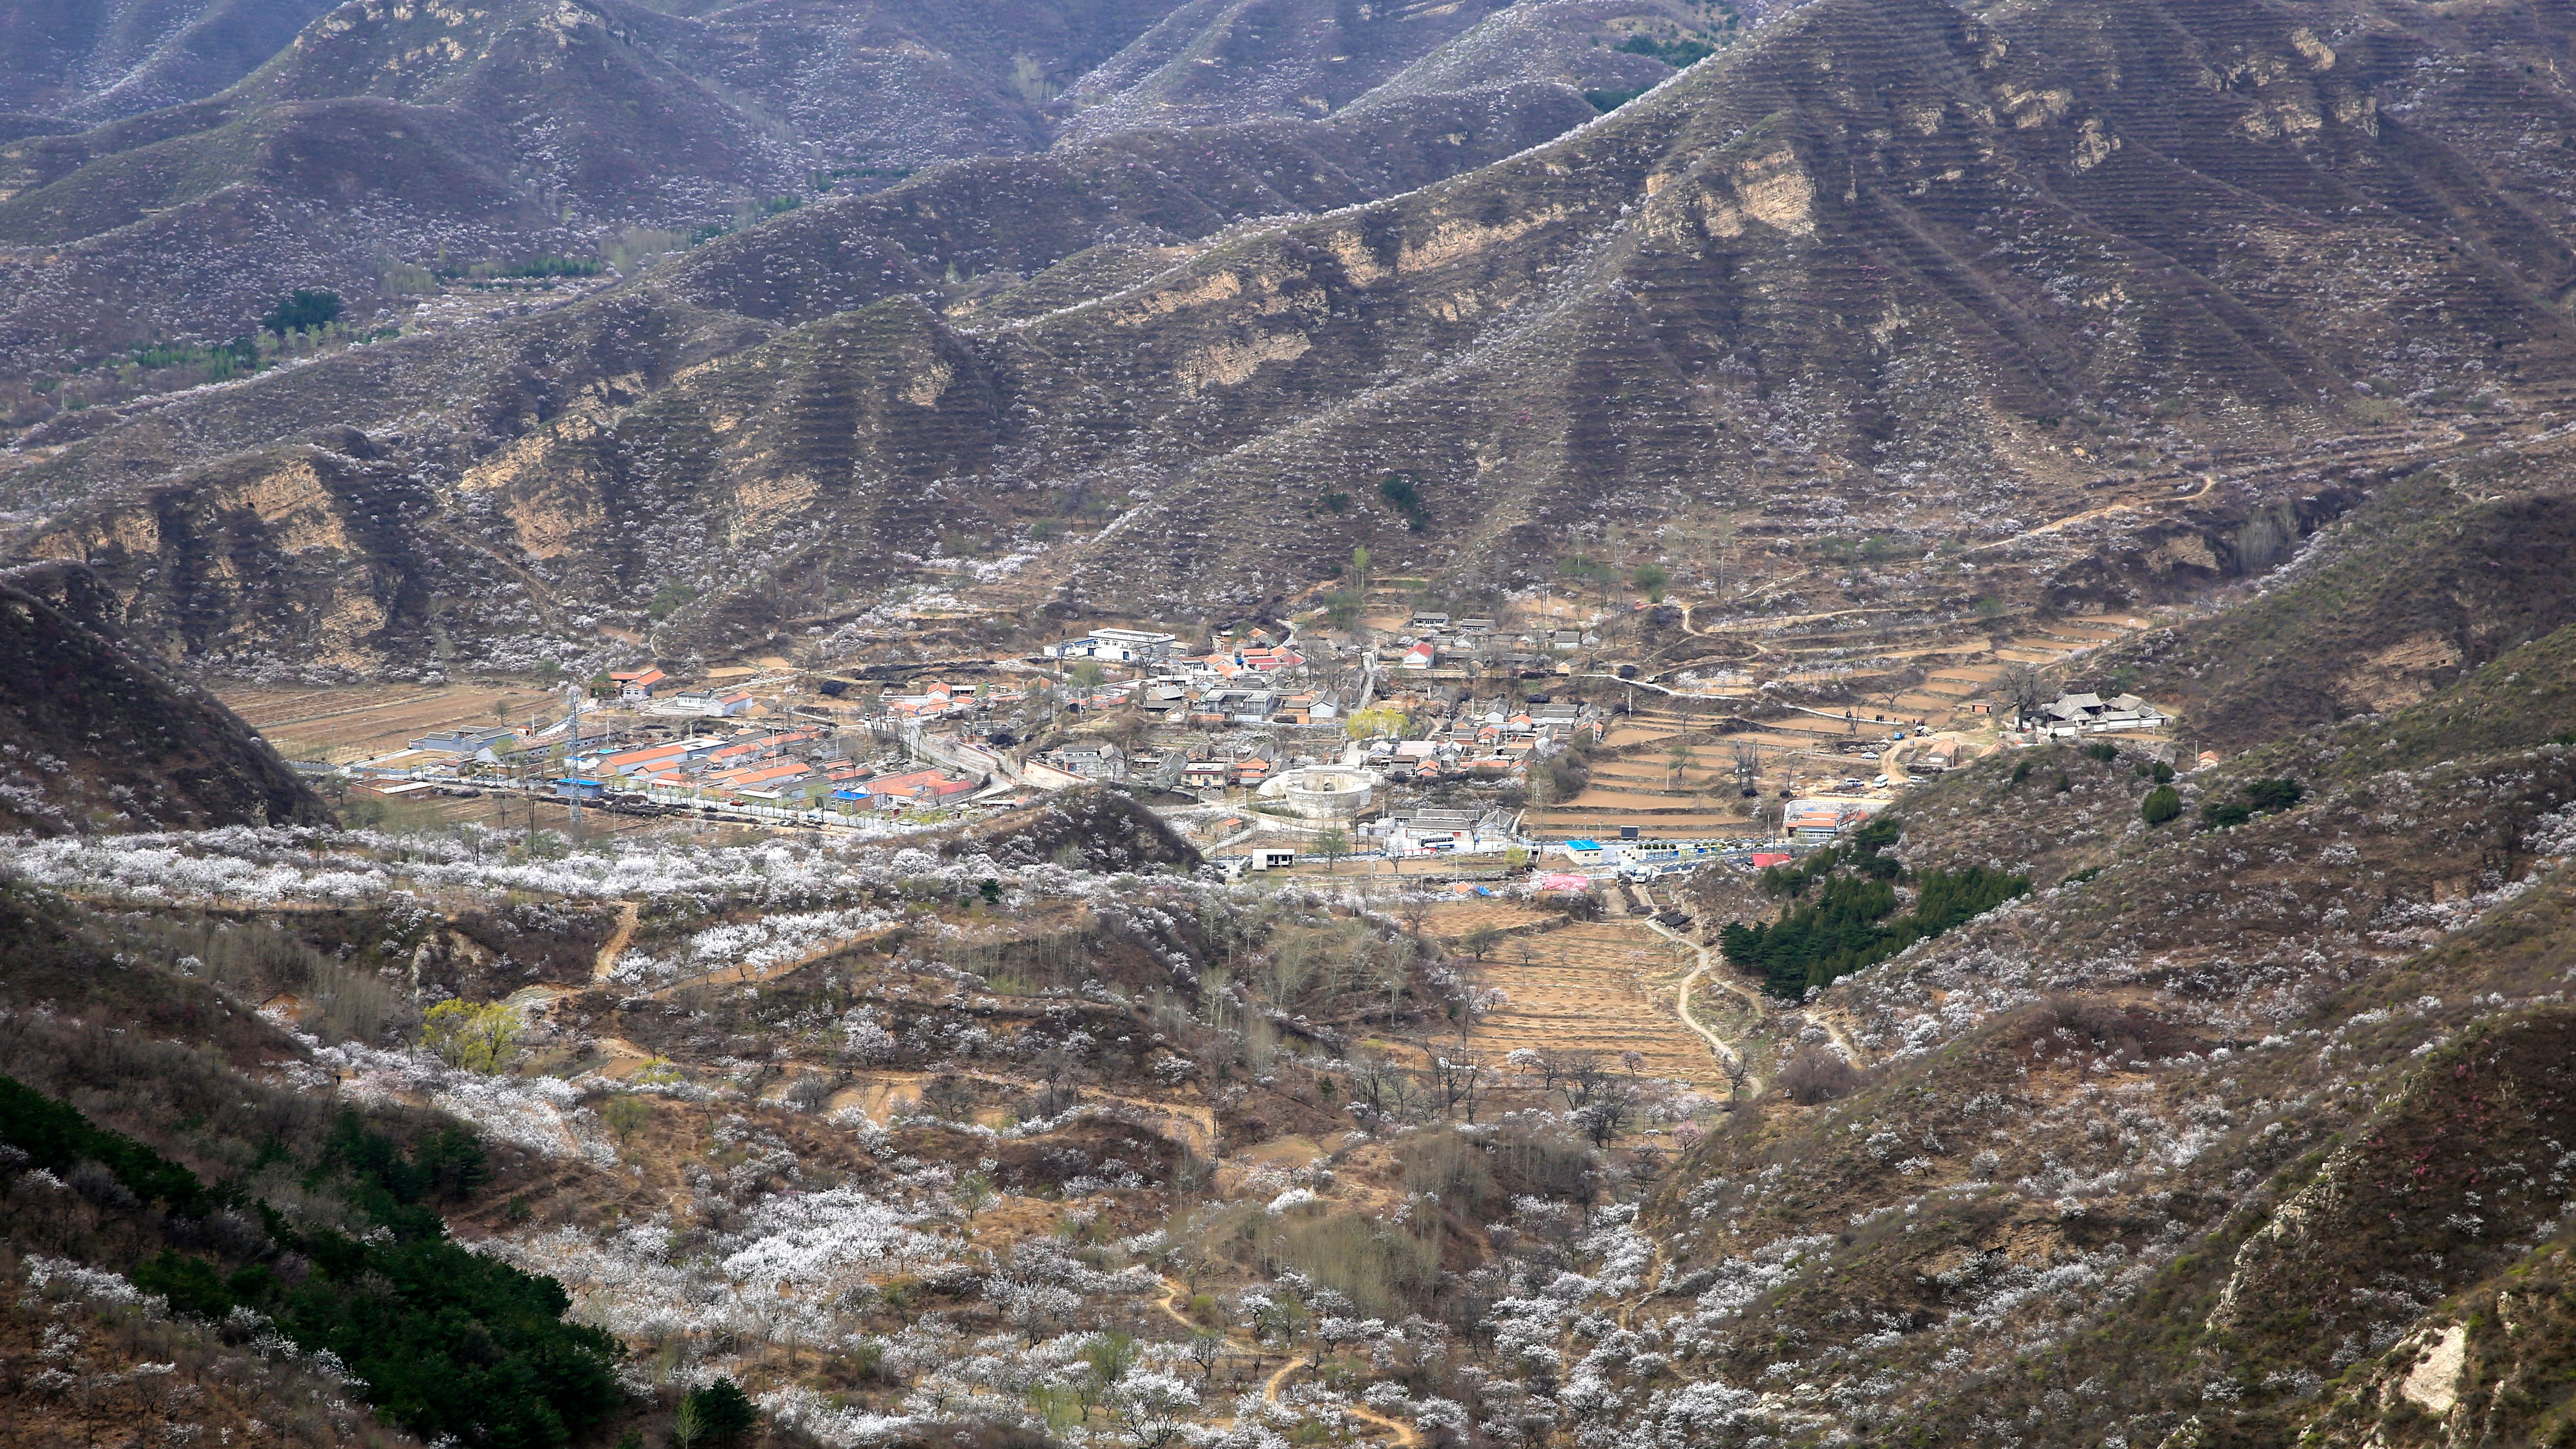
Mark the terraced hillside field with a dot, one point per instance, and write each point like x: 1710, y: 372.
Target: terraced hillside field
x: 1601, y: 986
x: 338, y: 725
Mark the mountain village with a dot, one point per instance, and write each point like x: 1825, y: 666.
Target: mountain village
x: 1523, y: 756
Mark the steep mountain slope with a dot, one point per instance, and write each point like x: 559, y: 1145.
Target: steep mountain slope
x: 387, y: 140
x: 1882, y: 268
x: 1613, y: 49
x: 2216, y: 1141
x: 94, y: 60
x: 893, y: 84
x: 199, y: 235
x: 1714, y: 333
x: 2443, y: 572
x: 1212, y: 62
x: 344, y: 530
x: 214, y: 260
x: 94, y: 740
x: 421, y: 136
x: 992, y: 221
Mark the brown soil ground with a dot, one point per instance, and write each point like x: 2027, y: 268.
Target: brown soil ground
x: 510, y: 812
x: 1603, y: 987
x: 1455, y: 921
x: 353, y: 722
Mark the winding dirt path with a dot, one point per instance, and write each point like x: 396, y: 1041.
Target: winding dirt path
x: 1842, y: 1039
x: 1192, y: 1126
x: 1171, y: 1295
x: 1725, y: 1051
x: 1406, y: 1436
x: 745, y: 974
x: 628, y: 914
x: 1833, y: 1028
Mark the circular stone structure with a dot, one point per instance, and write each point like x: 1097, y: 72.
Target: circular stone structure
x: 1322, y: 792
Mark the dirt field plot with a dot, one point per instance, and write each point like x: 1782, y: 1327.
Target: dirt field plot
x: 1587, y: 988
x: 1456, y: 920
x: 356, y: 721
x: 1630, y: 733
x: 1695, y: 825
x: 1616, y: 801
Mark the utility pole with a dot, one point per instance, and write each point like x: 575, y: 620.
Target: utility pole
x: 573, y: 751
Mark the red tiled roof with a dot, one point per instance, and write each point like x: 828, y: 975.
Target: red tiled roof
x: 917, y: 782
x: 650, y: 755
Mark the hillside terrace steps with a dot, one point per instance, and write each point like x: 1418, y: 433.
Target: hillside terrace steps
x: 1585, y: 990
x: 1935, y: 710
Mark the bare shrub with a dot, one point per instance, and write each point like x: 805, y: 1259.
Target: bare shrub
x: 1384, y: 1270
x: 1531, y: 1162
x: 1816, y: 1075
x: 948, y: 1096
x: 2084, y: 1026
x: 1451, y: 1168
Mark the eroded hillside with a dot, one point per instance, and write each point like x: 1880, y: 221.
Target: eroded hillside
x: 1882, y: 269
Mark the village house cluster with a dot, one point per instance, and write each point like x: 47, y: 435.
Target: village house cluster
x: 2070, y: 715
x: 1263, y: 742
x: 644, y: 742
x: 1376, y: 737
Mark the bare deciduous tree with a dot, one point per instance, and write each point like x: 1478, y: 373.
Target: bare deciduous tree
x: 1606, y: 1113
x: 1206, y: 1349
x: 1462, y: 1079
x: 1815, y: 1075
x: 2023, y: 689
